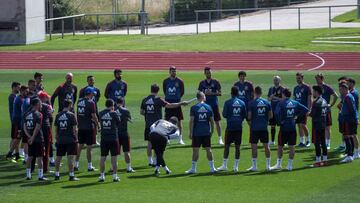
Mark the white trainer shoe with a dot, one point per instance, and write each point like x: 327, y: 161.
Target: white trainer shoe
x: 222, y: 168
x: 252, y: 169
x: 347, y: 159
x: 356, y: 156
x: 235, y: 169
x: 289, y: 167
x: 181, y: 142
x: 220, y: 142
x: 190, y: 171
x: 276, y: 167
x: 213, y: 170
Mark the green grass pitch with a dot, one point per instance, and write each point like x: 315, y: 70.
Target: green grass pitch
x: 336, y: 183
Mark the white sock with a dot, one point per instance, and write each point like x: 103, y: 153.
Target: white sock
x: 102, y: 175
x: 26, y: 157
x: 307, y: 139
x: 290, y: 162
x: 211, y: 164
x: 76, y: 164
x: 57, y: 173
x: 150, y: 160
x: 324, y: 158
x: 318, y: 159
x: 254, y: 163
x: 114, y: 175
x: 225, y: 162
x: 193, y: 165
x: 71, y: 174
x: 28, y: 172
x: 327, y: 141
x: 356, y: 151
x: 268, y: 162
x: 21, y: 152
x: 166, y: 168
x: 157, y: 168
x: 236, y: 164
x: 40, y: 173
x: 302, y: 139
x: 128, y: 166
x: 90, y: 165
x: 180, y: 138
x: 154, y: 160
x: 52, y: 160
x: 279, y: 162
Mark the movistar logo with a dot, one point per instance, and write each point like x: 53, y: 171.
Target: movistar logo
x: 202, y: 116
x: 63, y: 124
x: 172, y: 90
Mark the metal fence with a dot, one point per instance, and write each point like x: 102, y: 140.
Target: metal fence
x: 298, y: 11
x: 82, y: 18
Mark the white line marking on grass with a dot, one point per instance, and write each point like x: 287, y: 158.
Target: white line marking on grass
x: 344, y: 37
x: 322, y: 62
x: 335, y: 42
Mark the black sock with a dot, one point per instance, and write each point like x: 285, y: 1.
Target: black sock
x: 352, y: 145
x: 273, y: 132
x: 348, y: 146
x: 9, y: 154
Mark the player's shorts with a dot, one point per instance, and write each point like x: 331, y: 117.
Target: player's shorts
x: 109, y: 146
x: 177, y: 112
x: 287, y: 137
x: 36, y: 149
x: 66, y: 149
x: 262, y: 135
x: 328, y: 119
x: 301, y: 119
x: 317, y: 135
x: 87, y: 137
x: 348, y: 128
x: 272, y: 121
x: 216, y: 112
x: 198, y: 141
x: 15, y: 131
x: 233, y: 137
x: 24, y: 137
x: 124, y: 143
x: 147, y: 133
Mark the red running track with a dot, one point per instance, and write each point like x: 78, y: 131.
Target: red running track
x: 349, y: 61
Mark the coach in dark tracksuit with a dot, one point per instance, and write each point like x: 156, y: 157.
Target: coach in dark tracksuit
x: 318, y: 113
x: 160, y: 132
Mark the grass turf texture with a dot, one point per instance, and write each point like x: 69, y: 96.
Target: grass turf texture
x: 329, y: 184
x: 348, y: 17
x: 277, y: 40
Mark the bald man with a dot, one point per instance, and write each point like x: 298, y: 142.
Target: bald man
x: 67, y: 90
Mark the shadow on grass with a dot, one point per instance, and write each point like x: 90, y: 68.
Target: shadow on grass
x: 82, y: 185
x: 38, y: 183
x: 150, y: 175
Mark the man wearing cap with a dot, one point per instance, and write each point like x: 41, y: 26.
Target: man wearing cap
x: 117, y: 87
x: 64, y: 91
x: 87, y: 125
x: 173, y: 88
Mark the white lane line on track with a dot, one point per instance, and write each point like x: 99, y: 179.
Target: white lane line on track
x: 210, y: 62
x: 322, y: 62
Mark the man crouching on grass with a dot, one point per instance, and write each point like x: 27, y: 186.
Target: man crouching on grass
x: 66, y: 139
x: 109, y: 122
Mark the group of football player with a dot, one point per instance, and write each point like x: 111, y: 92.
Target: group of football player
x: 78, y: 122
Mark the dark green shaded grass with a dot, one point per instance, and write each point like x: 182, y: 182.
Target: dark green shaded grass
x: 348, y: 17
